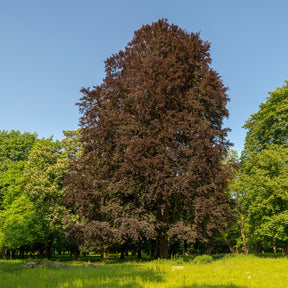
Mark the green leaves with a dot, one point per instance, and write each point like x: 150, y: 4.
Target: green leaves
x: 31, y: 187
x: 263, y: 181
x: 44, y: 171
x: 14, y: 147
x: 263, y: 184
x: 20, y: 224
x: 270, y: 124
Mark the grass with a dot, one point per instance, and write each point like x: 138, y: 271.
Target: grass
x: 239, y: 271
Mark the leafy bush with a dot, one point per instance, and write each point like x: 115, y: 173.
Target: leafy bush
x: 203, y: 259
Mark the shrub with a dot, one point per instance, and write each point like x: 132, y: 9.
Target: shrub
x: 203, y: 259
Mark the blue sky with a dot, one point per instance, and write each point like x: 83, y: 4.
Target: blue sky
x: 50, y: 49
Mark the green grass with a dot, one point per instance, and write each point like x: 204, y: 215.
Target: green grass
x: 239, y: 271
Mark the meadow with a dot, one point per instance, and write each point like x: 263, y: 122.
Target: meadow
x: 233, y: 271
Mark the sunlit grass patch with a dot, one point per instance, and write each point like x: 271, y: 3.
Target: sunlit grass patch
x: 240, y: 271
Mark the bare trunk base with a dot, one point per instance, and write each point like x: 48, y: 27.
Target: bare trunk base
x: 162, y: 247
x: 76, y: 254
x: 285, y: 251
x: 122, y: 255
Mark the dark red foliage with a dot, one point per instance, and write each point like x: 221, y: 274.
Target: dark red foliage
x: 153, y: 140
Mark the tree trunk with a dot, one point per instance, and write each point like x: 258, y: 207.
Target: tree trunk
x: 174, y: 249
x: 209, y: 249
x: 162, y: 247
x: 122, y: 256
x: 139, y: 251
x: 21, y: 253
x: 245, y: 247
x: 47, y: 253
x: 285, y: 251
x: 257, y: 247
x: 3, y: 253
x: 274, y: 246
x: 230, y: 245
x: 41, y: 252
x: 76, y: 254
x: 11, y: 254
x: 104, y: 253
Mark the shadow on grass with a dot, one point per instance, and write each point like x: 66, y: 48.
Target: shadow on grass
x: 11, y: 267
x: 95, y: 258
x: 269, y: 255
x: 108, y: 276
x: 214, y: 286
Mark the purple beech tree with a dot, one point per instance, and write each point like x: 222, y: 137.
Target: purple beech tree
x: 153, y: 142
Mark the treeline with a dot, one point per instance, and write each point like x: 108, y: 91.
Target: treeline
x: 35, y: 219
x: 34, y: 216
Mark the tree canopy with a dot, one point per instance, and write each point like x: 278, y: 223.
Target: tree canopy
x: 14, y: 149
x: 32, y: 212
x: 262, y: 183
x: 14, y: 146
x: 263, y: 186
x: 154, y: 143
x: 270, y: 124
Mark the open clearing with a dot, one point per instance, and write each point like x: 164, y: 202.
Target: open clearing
x: 237, y: 271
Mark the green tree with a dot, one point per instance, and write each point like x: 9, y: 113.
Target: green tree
x: 32, y: 210
x: 154, y: 142
x: 44, y: 174
x: 20, y: 225
x: 263, y: 186
x: 14, y: 147
x: 270, y: 124
x: 261, y: 183
x: 17, y: 216
x: 71, y: 144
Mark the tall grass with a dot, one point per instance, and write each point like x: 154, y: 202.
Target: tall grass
x: 238, y: 271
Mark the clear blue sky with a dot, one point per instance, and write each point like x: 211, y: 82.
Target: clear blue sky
x: 50, y: 49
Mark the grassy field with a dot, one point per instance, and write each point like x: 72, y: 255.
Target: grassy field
x: 237, y: 271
